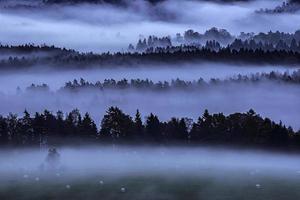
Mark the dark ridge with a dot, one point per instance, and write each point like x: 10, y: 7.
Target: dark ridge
x: 38, y: 4
x: 31, y: 48
x: 112, y: 2
x: 271, y: 48
x: 172, y: 55
x: 123, y: 2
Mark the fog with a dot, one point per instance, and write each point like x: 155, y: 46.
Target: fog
x: 9, y: 81
x: 114, y: 172
x: 146, y: 170
x: 149, y: 173
x: 273, y: 100
x: 276, y: 101
x: 115, y: 160
x: 101, y: 28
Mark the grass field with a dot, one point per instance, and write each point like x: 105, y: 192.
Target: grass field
x: 153, y: 187
x: 171, y: 177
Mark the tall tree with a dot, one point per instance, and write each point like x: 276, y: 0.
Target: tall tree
x: 116, y: 125
x: 4, y: 137
x: 88, y: 127
x: 138, y: 126
x: 153, y: 128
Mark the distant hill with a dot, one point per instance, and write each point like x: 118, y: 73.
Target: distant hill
x: 40, y: 3
x: 114, y: 2
x: 122, y: 2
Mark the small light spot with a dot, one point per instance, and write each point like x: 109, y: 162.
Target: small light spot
x: 123, y: 189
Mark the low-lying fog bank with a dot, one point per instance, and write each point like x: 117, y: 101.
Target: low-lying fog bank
x: 276, y: 101
x: 124, y: 161
x: 149, y: 173
x: 115, y: 172
x: 9, y: 81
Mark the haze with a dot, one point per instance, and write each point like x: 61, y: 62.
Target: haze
x: 9, y: 81
x: 109, y: 161
x: 277, y: 101
x: 102, y: 28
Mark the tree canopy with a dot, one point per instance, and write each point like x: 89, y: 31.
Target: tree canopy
x: 244, y: 129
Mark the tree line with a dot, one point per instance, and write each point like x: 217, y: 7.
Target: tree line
x: 246, y: 129
x: 32, y: 48
x: 224, y: 37
x: 214, y: 45
x: 167, y: 55
x: 178, y: 84
x: 286, y: 77
x: 216, y: 38
x: 291, y: 6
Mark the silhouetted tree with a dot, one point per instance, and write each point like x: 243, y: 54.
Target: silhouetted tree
x: 247, y: 129
x: 116, y: 125
x: 87, y: 127
x: 153, y: 129
x: 4, y: 137
x: 138, y: 127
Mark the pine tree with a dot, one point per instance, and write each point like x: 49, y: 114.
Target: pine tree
x: 153, y: 129
x: 87, y: 127
x: 116, y: 125
x: 138, y: 126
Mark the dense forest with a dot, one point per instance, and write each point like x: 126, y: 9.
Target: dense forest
x: 158, y: 56
x: 31, y: 48
x: 216, y: 45
x: 247, y: 129
x: 149, y: 99
x: 291, y: 6
x: 262, y: 48
x: 266, y: 41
